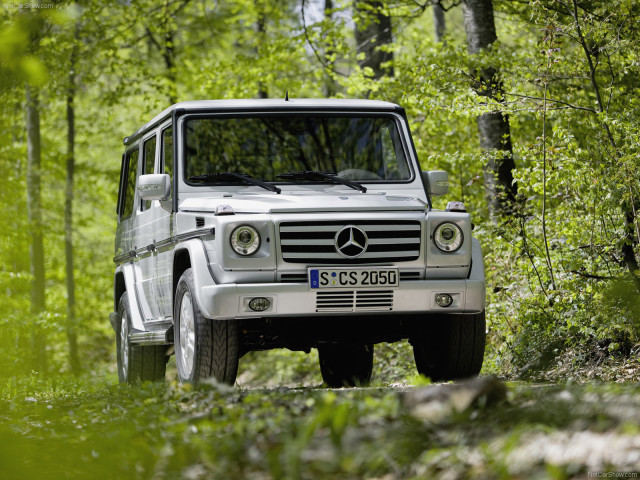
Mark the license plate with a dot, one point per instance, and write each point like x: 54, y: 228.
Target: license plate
x: 353, y: 277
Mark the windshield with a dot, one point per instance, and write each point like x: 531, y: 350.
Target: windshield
x: 279, y: 148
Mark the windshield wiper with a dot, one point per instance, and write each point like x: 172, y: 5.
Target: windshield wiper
x: 231, y: 176
x: 312, y: 174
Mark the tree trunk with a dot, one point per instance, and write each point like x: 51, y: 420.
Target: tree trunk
x: 34, y: 212
x: 261, y: 28
x: 493, y: 127
x: 439, y: 23
x: 68, y: 221
x: 373, y: 31
x: 168, y: 53
x: 631, y: 241
x: 330, y: 84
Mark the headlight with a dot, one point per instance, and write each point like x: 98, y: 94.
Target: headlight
x: 448, y: 237
x: 245, y: 240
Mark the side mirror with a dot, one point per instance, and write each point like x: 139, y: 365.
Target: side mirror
x: 154, y: 186
x: 436, y: 181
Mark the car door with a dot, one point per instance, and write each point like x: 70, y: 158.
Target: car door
x: 145, y: 219
x: 163, y: 228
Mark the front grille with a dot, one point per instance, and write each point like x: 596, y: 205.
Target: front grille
x: 354, y: 301
x: 315, y: 242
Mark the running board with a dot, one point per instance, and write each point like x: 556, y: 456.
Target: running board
x: 161, y: 336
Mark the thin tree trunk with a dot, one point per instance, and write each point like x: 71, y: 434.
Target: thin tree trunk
x: 493, y: 127
x: 439, y: 22
x: 168, y: 53
x: 373, y: 31
x: 261, y: 28
x: 628, y: 247
x: 68, y: 221
x: 330, y: 84
x: 34, y: 212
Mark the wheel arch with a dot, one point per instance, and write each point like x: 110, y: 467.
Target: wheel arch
x: 119, y: 287
x: 477, y: 261
x: 181, y: 262
x: 124, y: 283
x: 192, y: 254
x: 475, y: 297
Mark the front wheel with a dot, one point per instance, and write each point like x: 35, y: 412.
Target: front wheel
x: 345, y: 365
x: 452, y: 348
x: 137, y: 362
x: 205, y: 348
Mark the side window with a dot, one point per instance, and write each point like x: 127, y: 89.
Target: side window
x: 167, y: 152
x: 148, y: 163
x: 130, y: 184
x: 149, y: 155
x: 123, y: 168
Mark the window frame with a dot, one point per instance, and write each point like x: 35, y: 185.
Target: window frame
x: 146, y: 204
x: 125, y: 177
x: 404, y: 144
x: 123, y: 166
x: 163, y: 155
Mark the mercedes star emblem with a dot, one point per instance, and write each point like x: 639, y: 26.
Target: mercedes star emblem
x: 351, y: 242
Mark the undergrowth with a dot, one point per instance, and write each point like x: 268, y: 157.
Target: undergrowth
x: 91, y: 427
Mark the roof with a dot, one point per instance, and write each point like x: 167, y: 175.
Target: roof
x: 264, y: 105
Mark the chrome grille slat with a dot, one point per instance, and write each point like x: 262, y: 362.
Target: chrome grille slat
x: 319, y: 227
x: 322, y: 255
x: 308, y: 241
x: 391, y: 241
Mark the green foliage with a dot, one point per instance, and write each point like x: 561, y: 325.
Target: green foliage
x: 556, y: 281
x: 85, y: 427
x: 88, y: 427
x: 580, y: 170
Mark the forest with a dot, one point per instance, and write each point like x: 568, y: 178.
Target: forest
x: 533, y: 108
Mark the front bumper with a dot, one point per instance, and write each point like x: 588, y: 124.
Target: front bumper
x: 231, y: 301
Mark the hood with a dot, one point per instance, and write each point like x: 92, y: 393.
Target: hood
x: 305, y: 202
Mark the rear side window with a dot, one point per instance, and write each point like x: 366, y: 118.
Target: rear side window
x: 148, y: 164
x: 149, y: 155
x: 131, y: 165
x: 123, y: 168
x: 167, y: 152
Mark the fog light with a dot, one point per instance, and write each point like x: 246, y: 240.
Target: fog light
x: 259, y: 304
x: 444, y: 300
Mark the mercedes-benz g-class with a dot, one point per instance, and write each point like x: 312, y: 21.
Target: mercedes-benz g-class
x: 256, y: 224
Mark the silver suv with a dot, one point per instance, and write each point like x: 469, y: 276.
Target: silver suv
x: 256, y: 224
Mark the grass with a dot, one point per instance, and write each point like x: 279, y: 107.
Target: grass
x: 60, y: 428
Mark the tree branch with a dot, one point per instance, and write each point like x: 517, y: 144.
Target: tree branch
x: 315, y: 51
x: 549, y: 100
x: 589, y: 275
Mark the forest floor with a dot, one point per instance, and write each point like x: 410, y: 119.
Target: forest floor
x: 94, y: 428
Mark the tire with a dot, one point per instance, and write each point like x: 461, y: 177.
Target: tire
x: 205, y: 348
x: 346, y: 365
x: 137, y: 363
x: 452, y: 349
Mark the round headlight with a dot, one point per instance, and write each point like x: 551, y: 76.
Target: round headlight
x: 245, y: 240
x: 448, y: 237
